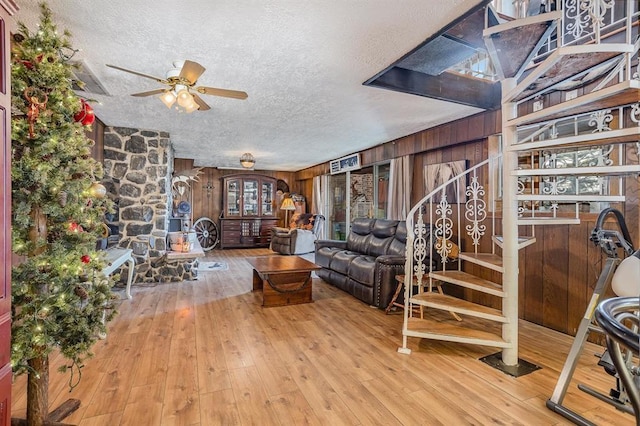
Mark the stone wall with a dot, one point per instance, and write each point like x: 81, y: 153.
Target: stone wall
x: 138, y: 165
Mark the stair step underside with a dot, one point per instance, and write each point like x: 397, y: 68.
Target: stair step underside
x: 522, y: 241
x: 452, y: 332
x: 571, y: 198
x: 470, y: 281
x: 582, y: 171
x: 548, y: 221
x: 488, y: 260
x: 460, y: 306
x: 564, y: 63
x: 625, y: 93
x: 630, y: 134
x: 528, y: 34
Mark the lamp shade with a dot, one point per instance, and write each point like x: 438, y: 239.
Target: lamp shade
x: 168, y: 98
x: 247, y: 160
x: 287, y: 204
x: 184, y: 98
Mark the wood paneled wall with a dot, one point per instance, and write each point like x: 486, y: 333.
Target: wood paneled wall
x: 558, y: 272
x: 208, y: 202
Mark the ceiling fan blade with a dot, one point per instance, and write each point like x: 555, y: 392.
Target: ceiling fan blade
x: 159, y: 80
x: 236, y: 94
x: 202, y: 104
x: 149, y: 93
x: 191, y: 71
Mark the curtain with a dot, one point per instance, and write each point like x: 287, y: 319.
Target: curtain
x: 320, y: 185
x: 399, y: 188
x: 437, y: 174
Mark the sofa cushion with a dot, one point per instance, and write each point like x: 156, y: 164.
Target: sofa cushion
x: 384, y: 228
x: 324, y: 255
x: 397, y: 246
x: 341, y: 261
x: 358, y: 238
x: 378, y: 246
x: 363, y: 270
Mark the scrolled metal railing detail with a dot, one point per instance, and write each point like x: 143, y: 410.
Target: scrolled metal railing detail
x: 635, y: 113
x: 432, y: 221
x: 553, y: 186
x: 443, y: 229
x: 475, y: 210
x: 420, y: 248
x: 600, y: 120
x: 602, y: 156
x: 577, y: 17
x: 597, y: 9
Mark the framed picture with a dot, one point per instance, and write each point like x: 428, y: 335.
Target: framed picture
x: 344, y: 164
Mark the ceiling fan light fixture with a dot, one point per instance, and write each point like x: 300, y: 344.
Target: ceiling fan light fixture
x: 190, y: 108
x: 184, y: 98
x: 247, y: 161
x: 168, y: 98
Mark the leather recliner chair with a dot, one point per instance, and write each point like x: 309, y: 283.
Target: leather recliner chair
x: 297, y: 240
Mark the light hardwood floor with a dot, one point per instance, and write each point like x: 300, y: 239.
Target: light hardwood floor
x: 206, y: 353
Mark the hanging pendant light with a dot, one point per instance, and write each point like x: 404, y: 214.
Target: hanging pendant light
x: 247, y: 161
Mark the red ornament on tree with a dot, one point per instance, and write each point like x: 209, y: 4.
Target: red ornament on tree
x: 85, y: 115
x: 74, y: 227
x: 85, y: 259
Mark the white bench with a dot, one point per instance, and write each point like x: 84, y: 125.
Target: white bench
x: 115, y: 258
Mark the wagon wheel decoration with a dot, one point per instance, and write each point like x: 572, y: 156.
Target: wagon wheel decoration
x: 207, y: 233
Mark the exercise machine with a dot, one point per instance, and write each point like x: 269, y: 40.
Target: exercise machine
x: 621, y: 273
x: 618, y: 317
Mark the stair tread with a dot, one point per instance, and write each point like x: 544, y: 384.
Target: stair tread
x: 489, y: 260
x: 629, y: 134
x: 583, y: 171
x: 456, y: 331
x: 453, y: 304
x: 549, y: 221
x: 564, y: 63
x: 522, y: 241
x: 525, y: 33
x: 467, y: 280
x: 624, y: 93
x: 573, y: 198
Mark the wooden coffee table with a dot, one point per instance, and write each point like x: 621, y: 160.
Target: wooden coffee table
x: 284, y: 280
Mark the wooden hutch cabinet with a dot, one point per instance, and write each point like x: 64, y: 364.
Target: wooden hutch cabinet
x: 248, y: 210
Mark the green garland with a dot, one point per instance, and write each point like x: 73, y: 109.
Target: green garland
x: 60, y: 299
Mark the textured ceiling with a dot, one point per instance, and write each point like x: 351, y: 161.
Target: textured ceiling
x: 302, y: 64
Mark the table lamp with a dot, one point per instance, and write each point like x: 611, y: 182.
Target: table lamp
x: 287, y: 204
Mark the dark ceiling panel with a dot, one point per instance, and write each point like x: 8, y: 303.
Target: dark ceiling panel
x: 446, y: 87
x: 422, y: 70
x: 437, y: 56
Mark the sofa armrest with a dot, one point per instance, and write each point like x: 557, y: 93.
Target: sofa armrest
x: 391, y: 260
x: 331, y: 243
x: 387, y: 267
x: 276, y: 230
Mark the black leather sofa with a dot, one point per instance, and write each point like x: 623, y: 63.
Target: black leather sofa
x: 365, y: 265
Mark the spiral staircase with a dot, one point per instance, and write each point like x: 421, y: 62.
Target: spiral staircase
x: 571, y: 115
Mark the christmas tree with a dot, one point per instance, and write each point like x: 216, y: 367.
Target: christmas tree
x: 60, y: 298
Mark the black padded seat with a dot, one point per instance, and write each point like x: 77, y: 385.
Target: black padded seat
x: 341, y: 261
x: 326, y: 254
x: 363, y: 270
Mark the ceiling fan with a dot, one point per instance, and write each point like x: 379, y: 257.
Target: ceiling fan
x: 182, y: 88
